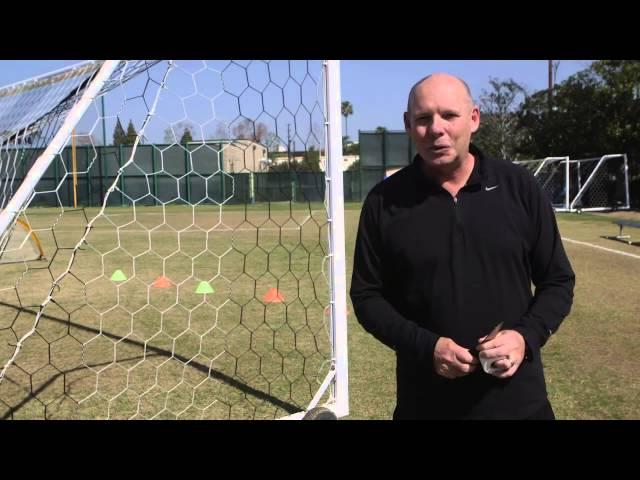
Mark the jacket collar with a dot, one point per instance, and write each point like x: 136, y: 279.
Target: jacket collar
x: 480, y: 175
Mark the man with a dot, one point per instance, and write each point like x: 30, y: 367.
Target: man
x: 446, y: 249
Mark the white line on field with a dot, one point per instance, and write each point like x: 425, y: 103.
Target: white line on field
x: 600, y: 248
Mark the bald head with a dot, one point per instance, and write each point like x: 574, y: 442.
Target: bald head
x: 438, y: 77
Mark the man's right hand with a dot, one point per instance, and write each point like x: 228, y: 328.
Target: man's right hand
x: 450, y: 360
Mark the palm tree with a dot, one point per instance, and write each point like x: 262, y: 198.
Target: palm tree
x: 347, y: 109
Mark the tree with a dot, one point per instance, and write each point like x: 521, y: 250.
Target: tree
x: 284, y: 167
x: 349, y: 147
x: 311, y: 160
x: 186, y: 137
x: 171, y: 133
x: 309, y: 163
x: 249, y: 130
x: 594, y: 112
x: 621, y: 86
x: 118, y: 134
x: 131, y: 135
x: 620, y: 78
x: 345, y: 144
x: 352, y: 149
x: 499, y: 133
x: 576, y: 126
x: 222, y: 131
x: 260, y: 132
x: 347, y: 110
x: 381, y: 129
x: 271, y: 140
x: 242, y: 130
x: 354, y: 167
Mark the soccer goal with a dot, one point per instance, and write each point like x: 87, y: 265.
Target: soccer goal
x: 174, y: 236
x: 588, y: 184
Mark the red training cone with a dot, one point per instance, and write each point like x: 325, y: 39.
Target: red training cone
x: 162, y: 282
x: 273, y: 296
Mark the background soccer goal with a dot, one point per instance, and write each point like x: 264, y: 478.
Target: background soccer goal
x: 589, y: 184
x: 173, y: 236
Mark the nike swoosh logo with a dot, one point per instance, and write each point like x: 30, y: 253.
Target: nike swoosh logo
x: 488, y: 189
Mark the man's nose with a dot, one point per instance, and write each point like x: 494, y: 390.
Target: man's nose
x: 437, y: 126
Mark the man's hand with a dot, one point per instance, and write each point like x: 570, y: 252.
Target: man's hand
x: 506, y: 351
x: 450, y: 360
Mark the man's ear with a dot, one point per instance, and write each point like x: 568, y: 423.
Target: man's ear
x: 475, y: 119
x: 407, y: 122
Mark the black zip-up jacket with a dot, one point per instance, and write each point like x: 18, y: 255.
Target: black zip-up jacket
x: 427, y: 265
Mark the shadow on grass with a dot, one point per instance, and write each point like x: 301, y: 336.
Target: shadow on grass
x: 286, y: 406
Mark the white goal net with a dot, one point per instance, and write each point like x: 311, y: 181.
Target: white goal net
x: 190, y: 216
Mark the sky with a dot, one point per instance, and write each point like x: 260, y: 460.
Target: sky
x: 377, y: 89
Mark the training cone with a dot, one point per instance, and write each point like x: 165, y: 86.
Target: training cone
x: 204, y: 287
x: 162, y: 282
x: 327, y: 311
x: 273, y: 296
x: 118, y: 276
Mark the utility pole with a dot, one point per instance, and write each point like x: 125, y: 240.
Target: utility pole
x: 550, y: 66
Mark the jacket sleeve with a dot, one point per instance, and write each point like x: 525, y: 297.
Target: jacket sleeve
x: 368, y: 286
x: 551, y: 274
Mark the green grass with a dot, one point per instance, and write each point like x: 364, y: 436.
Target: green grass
x: 592, y: 362
x: 128, y: 350
x: 125, y: 349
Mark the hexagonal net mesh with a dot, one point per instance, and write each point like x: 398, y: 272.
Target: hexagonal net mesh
x: 187, y: 269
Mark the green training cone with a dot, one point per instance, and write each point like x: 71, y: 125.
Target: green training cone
x: 204, y: 287
x: 118, y: 276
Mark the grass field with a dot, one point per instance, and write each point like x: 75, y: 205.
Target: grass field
x: 131, y: 350
x: 124, y: 348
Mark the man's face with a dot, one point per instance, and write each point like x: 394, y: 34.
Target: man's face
x: 441, y: 120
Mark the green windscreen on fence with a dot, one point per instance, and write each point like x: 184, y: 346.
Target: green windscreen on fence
x: 382, y: 154
x: 160, y: 175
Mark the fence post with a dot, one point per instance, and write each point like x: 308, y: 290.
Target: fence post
x: 101, y: 159
x: 120, y: 154
x: 293, y: 190
x: 384, y: 155
x: 89, y: 188
x: 100, y: 178
x: 626, y: 182
x: 360, y: 163
x: 186, y: 172
x: 66, y: 161
x: 222, y: 182
x: 155, y: 177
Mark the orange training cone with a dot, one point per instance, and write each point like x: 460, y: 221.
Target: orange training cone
x: 162, y: 282
x: 273, y: 296
x: 327, y: 310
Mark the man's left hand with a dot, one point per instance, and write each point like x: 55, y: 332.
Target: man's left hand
x: 508, y: 350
